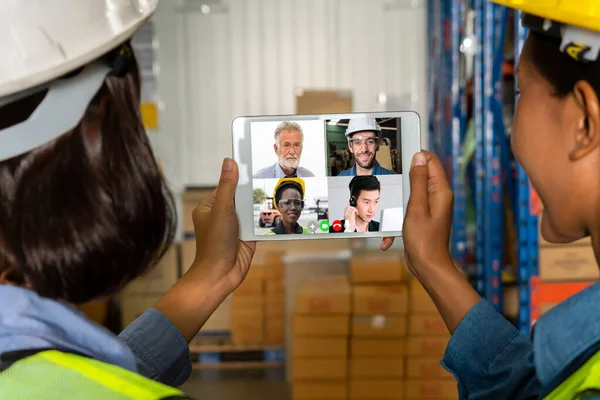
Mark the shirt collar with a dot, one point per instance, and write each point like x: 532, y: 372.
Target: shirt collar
x: 376, y: 168
x: 32, y: 321
x: 280, y: 173
x: 566, y: 333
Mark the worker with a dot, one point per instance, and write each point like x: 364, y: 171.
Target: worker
x: 364, y: 141
x: 288, y: 146
x: 84, y: 210
x: 289, y: 201
x: 556, y: 138
x: 362, y: 206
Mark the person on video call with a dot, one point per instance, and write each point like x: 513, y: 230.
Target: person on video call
x: 363, y: 205
x: 289, y: 140
x: 364, y: 138
x: 289, y: 201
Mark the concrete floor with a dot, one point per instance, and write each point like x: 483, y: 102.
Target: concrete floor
x: 267, y: 384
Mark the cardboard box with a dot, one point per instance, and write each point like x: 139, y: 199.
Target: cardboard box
x: 321, y: 325
x: 427, y: 346
x: 378, y: 326
x: 423, y: 325
x: 247, y: 327
x: 274, y: 287
x: 379, y: 389
x: 275, y: 330
x: 160, y: 278
x: 247, y: 303
x: 377, y: 268
x: 419, y: 300
x: 567, y: 263
x: 361, y: 348
x: 274, y: 306
x: 380, y: 299
x: 426, y: 367
x: 324, y: 295
x: 132, y: 306
x: 381, y: 367
x: 315, y: 369
x: 304, y: 347
x: 323, y: 101
x: 546, y: 295
x: 323, y: 390
x: 431, y: 389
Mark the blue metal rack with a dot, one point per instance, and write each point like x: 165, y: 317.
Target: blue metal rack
x: 492, y: 154
x: 527, y: 222
x: 447, y: 107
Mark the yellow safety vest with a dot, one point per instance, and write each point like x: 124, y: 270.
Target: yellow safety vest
x: 583, y: 384
x: 54, y: 375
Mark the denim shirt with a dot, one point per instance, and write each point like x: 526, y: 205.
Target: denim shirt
x: 491, y: 359
x: 151, y: 346
x: 377, y: 170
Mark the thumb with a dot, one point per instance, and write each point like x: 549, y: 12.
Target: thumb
x: 419, y: 176
x: 224, y: 199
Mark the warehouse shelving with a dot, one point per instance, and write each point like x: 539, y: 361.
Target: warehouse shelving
x: 495, y: 175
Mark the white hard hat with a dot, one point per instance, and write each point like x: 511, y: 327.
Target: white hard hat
x: 42, y: 40
x: 362, y: 124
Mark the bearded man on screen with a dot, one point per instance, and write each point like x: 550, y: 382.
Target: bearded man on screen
x: 289, y: 141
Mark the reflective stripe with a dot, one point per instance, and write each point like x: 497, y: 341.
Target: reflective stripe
x: 132, y: 385
x: 585, y: 378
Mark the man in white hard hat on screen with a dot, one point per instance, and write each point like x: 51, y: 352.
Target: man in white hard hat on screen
x: 364, y: 139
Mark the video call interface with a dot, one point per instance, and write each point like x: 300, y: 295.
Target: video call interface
x: 327, y: 176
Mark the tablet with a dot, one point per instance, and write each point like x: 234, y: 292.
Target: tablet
x: 324, y: 176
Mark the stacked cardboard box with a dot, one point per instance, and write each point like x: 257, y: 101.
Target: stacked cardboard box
x: 427, y: 341
x: 320, y: 326
x: 271, y: 262
x: 247, y: 309
x: 378, y: 326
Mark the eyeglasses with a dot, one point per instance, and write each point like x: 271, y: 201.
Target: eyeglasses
x: 359, y: 142
x: 298, y: 203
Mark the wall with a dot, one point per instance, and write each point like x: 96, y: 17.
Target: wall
x: 249, y: 57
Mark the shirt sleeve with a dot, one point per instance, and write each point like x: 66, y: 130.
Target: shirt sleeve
x: 160, y: 350
x: 490, y: 358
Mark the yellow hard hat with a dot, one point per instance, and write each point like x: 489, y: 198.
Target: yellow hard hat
x: 581, y: 13
x: 292, y: 182
x: 575, y: 22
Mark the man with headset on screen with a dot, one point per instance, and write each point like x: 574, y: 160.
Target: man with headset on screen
x: 364, y: 138
x: 363, y: 205
x: 289, y: 140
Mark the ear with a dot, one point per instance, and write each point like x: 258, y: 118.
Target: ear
x: 587, y: 137
x: 275, y: 148
x: 350, y: 148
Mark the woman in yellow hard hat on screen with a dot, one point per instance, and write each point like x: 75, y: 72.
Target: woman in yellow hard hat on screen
x: 84, y: 210
x: 556, y: 138
x: 288, y: 199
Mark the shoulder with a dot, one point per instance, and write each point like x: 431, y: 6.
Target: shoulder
x: 376, y: 226
x: 266, y: 172
x: 306, y: 231
x: 304, y: 173
x: 346, y: 172
x: 269, y: 233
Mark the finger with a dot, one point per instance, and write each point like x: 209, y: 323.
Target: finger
x: 226, y: 188
x: 201, y: 213
x: 418, y: 201
x: 386, y: 243
x: 439, y: 191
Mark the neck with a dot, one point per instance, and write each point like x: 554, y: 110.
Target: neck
x: 363, y: 225
x: 288, y: 171
x: 289, y: 227
x: 364, y: 171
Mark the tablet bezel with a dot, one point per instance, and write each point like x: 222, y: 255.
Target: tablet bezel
x: 242, y: 154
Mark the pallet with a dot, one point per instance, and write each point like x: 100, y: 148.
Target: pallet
x: 234, y: 356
